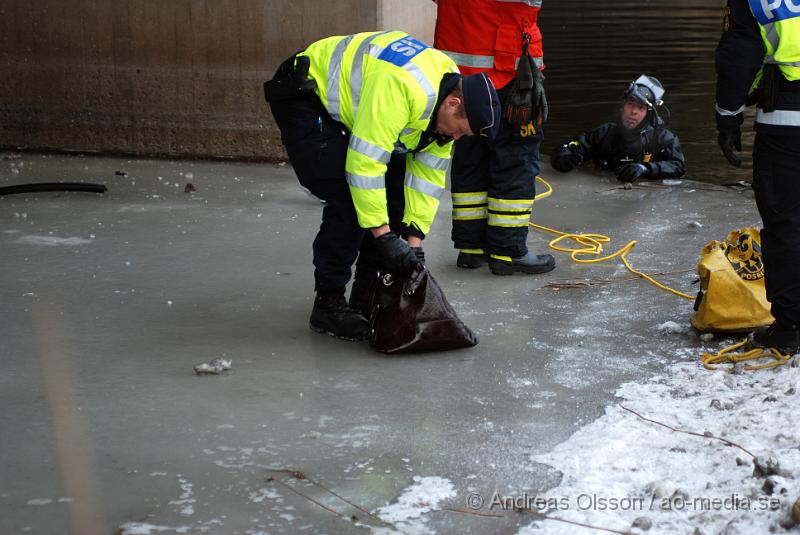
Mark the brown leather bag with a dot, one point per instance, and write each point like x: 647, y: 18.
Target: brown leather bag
x: 413, y: 315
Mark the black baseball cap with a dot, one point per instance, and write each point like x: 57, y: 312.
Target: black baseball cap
x: 481, y: 104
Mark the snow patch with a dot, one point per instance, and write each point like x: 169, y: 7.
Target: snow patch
x: 143, y: 528
x: 672, y: 327
x: 682, y: 481
x: 425, y: 495
x: 51, y: 241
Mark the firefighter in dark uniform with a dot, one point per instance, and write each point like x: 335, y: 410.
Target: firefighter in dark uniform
x: 758, y: 62
x: 493, y: 181
x: 637, y: 146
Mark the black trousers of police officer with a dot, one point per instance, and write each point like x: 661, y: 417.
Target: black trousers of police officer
x: 776, y: 182
x: 317, y: 149
x: 505, y: 168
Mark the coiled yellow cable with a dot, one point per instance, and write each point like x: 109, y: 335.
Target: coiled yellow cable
x: 592, y: 245
x: 726, y: 355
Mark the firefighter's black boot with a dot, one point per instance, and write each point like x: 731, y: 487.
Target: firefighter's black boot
x: 785, y: 337
x: 360, y: 292
x: 470, y: 259
x: 332, y: 316
x: 530, y: 264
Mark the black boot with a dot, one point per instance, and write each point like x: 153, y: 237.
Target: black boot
x: 785, y: 337
x: 332, y: 316
x: 360, y: 292
x: 470, y: 260
x: 530, y: 264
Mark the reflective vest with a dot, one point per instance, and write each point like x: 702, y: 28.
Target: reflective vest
x: 383, y: 86
x: 486, y: 35
x: 779, y: 23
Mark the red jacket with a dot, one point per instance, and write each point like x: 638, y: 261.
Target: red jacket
x: 486, y: 35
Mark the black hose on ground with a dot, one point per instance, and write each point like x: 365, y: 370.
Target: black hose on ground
x: 53, y: 186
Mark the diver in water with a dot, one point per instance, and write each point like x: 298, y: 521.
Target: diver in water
x: 635, y: 147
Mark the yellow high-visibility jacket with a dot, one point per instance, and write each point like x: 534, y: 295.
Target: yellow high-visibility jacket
x: 383, y: 87
x: 779, y: 24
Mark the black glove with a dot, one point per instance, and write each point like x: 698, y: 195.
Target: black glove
x: 631, y: 172
x: 419, y: 253
x: 526, y: 102
x: 568, y: 160
x: 519, y: 106
x: 729, y: 140
x: 540, y: 107
x: 397, y: 255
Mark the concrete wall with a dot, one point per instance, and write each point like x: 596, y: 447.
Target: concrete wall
x: 156, y: 77
x: 417, y: 17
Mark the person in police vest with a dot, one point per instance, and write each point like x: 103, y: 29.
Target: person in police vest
x: 368, y: 122
x: 758, y: 62
x: 636, y: 146
x: 493, y: 181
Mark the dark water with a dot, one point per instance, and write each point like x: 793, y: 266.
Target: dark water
x: 593, y: 49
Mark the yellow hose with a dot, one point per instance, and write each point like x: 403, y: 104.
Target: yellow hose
x: 592, y: 245
x: 726, y: 355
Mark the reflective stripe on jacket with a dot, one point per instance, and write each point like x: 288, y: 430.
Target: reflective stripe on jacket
x: 779, y: 23
x: 756, y: 33
x: 486, y: 35
x: 383, y: 87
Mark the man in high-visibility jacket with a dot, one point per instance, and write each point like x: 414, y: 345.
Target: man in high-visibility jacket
x: 493, y: 181
x: 368, y: 122
x: 758, y: 61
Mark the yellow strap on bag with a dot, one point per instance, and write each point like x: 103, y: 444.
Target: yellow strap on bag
x: 732, y: 295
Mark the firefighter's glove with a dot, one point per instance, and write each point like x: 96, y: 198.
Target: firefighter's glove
x: 728, y: 141
x: 518, y: 110
x: 540, y: 107
x: 397, y: 256
x: 631, y: 172
x: 526, y: 102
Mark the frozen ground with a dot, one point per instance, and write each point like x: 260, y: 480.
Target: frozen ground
x: 109, y: 301
x: 621, y: 471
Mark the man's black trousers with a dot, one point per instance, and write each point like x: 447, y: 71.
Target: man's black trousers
x: 317, y: 148
x: 776, y: 181
x: 488, y: 177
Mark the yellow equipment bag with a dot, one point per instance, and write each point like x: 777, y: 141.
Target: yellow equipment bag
x: 732, y: 295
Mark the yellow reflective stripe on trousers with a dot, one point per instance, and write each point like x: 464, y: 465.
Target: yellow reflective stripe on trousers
x: 366, y: 182
x: 423, y: 186
x: 467, y: 214
x: 510, y: 204
x: 473, y: 197
x: 369, y: 150
x: 508, y: 220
